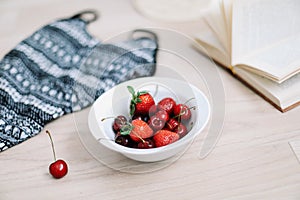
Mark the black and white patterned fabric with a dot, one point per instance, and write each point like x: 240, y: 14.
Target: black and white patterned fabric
x: 60, y: 69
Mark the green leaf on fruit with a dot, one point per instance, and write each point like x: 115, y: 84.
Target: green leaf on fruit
x: 132, y: 107
x: 142, y: 92
x: 125, y: 130
x: 131, y: 90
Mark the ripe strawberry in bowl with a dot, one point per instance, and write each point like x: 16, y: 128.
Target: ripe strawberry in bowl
x: 141, y: 102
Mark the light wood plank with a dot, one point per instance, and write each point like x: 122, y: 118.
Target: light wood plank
x: 252, y: 159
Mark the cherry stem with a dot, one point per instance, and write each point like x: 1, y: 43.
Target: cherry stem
x: 182, y: 111
x: 51, y: 144
x: 193, y: 107
x: 189, y: 100
x: 137, y: 135
x: 106, y: 118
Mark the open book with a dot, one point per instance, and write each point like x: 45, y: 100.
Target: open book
x: 259, y: 41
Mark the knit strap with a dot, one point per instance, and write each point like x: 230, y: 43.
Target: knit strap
x: 87, y: 15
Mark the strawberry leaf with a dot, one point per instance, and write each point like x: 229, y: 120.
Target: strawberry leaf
x: 142, y: 92
x: 138, y: 100
x: 132, y: 108
x: 125, y: 130
x: 131, y: 90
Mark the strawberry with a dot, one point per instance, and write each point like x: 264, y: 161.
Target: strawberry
x: 164, y: 137
x: 138, y: 130
x: 141, y: 102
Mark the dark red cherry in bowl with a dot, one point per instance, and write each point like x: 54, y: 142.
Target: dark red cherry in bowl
x: 156, y: 123
x: 172, y: 124
x: 153, y: 109
x: 146, y: 144
x: 167, y: 104
x: 163, y: 115
x: 119, y: 122
x: 182, y: 112
x: 181, y: 130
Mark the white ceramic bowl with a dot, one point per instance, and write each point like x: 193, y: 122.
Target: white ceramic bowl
x: 116, y: 102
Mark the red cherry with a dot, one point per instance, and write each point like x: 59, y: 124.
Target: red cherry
x: 172, y: 124
x: 163, y: 115
x: 146, y: 144
x: 167, y: 104
x: 119, y: 122
x: 181, y: 130
x: 123, y: 140
x: 153, y: 110
x: 156, y: 123
x: 182, y: 112
x: 58, y: 168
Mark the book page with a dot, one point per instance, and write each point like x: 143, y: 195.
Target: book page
x: 283, y: 95
x: 227, y: 10
x: 212, y: 46
x: 278, y: 62
x: 209, y: 37
x: 216, y: 20
x: 265, y: 36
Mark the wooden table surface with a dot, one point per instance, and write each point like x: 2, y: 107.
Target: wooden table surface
x: 253, y: 158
